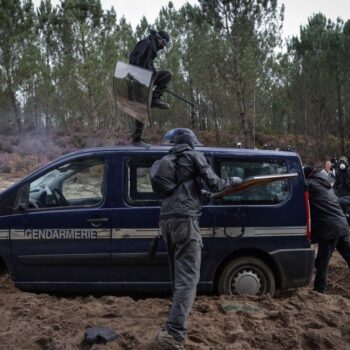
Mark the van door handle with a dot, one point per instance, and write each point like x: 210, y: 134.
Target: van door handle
x: 96, y: 222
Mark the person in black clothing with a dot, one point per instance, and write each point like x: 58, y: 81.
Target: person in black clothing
x: 179, y: 216
x: 342, y: 184
x: 143, y: 55
x: 342, y: 178
x: 328, y: 223
x: 342, y: 190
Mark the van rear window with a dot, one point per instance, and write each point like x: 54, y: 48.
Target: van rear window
x: 272, y: 193
x: 139, y: 189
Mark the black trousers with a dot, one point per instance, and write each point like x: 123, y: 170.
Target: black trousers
x: 343, y: 247
x: 324, y: 254
x: 184, y: 245
x: 160, y: 81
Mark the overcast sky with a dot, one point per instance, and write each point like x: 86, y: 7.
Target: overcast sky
x: 296, y: 12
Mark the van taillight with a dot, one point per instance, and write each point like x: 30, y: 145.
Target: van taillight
x: 308, y: 216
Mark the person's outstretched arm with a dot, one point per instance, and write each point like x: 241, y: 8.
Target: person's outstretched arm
x: 214, y: 182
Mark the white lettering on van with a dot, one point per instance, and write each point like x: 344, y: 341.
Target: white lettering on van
x: 46, y: 234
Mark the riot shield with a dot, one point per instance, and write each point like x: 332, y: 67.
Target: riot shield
x: 132, y: 88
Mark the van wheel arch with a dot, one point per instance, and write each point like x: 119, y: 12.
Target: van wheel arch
x: 3, y: 267
x: 254, y: 267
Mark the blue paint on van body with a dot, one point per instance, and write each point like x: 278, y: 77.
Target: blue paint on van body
x: 103, y: 247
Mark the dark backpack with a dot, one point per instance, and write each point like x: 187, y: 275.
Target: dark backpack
x: 164, y: 175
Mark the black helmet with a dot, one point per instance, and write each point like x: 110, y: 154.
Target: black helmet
x: 175, y: 136
x: 162, y: 37
x: 165, y: 36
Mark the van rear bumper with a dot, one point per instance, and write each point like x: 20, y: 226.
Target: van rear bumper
x: 295, y: 267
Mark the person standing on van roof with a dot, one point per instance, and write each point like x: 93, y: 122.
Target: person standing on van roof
x: 179, y: 226
x: 328, y: 222
x: 142, y: 55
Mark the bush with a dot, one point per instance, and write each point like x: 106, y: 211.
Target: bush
x: 38, y: 145
x: 22, y: 165
x: 78, y: 140
x: 5, y: 169
x: 4, y: 166
x: 6, y: 147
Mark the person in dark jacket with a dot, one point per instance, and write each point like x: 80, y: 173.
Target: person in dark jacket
x: 143, y: 55
x: 342, y: 178
x: 179, y: 226
x: 328, y: 222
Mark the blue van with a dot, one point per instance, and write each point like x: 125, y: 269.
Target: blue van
x: 84, y: 223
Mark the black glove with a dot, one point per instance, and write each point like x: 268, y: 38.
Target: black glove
x: 206, y: 194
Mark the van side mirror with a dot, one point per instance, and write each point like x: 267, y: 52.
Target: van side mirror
x: 22, y: 198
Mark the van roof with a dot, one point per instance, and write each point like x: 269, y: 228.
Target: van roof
x: 160, y: 148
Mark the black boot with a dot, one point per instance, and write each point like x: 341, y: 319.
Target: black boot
x: 158, y: 103
x: 140, y: 143
x: 136, y: 138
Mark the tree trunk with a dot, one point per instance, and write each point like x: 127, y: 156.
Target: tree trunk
x: 241, y: 104
x: 243, y: 117
x: 306, y: 136
x: 216, y: 123
x: 340, y: 117
x: 193, y: 112
x: 16, y: 110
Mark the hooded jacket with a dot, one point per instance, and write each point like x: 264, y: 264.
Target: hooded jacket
x: 342, y: 179
x: 185, y: 200
x: 327, y: 218
x: 144, y: 52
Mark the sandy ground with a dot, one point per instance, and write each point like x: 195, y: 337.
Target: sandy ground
x: 300, y: 319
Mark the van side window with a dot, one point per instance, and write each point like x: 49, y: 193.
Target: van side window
x: 139, y: 189
x: 79, y: 183
x: 273, y: 193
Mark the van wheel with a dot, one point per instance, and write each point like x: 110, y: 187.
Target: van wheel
x: 246, y: 275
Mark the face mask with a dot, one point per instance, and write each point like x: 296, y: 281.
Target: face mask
x: 342, y: 166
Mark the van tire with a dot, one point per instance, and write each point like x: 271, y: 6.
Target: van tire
x: 246, y: 275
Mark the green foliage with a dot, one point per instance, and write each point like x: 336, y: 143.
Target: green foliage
x: 317, y: 85
x: 18, y: 55
x: 57, y: 64
x: 248, y: 32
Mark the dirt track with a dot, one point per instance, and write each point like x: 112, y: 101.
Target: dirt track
x: 301, y: 319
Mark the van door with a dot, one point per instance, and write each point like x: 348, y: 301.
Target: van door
x: 255, y: 210
x: 251, y: 219
x: 135, y: 224
x: 60, y: 232
x: 261, y: 227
